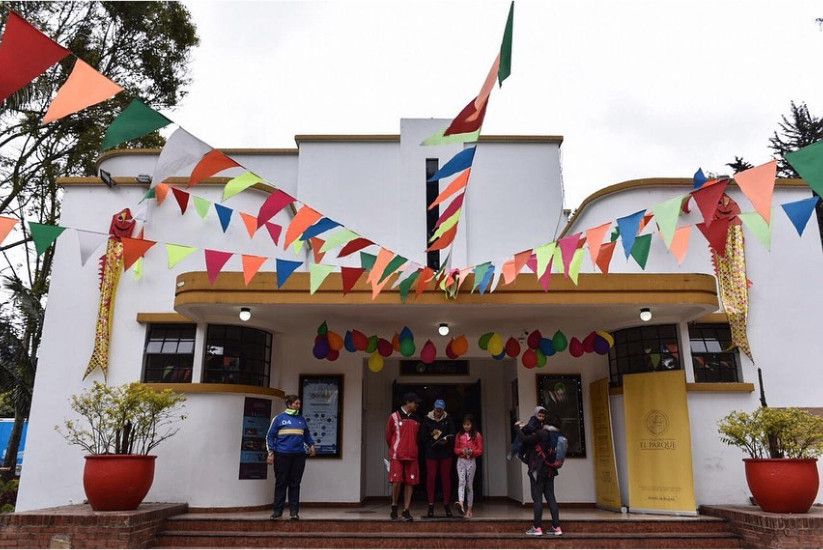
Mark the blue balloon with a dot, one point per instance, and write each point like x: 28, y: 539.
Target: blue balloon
x: 547, y: 347
x: 406, y: 334
x: 348, y: 342
x: 501, y: 356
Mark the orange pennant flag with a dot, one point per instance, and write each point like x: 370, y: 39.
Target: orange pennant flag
x: 305, y: 218
x: 604, y: 257
x: 680, y: 242
x: 251, y: 264
x: 6, y: 225
x: 316, y: 244
x: 376, y: 287
x: 509, y: 273
x: 161, y: 191
x: 85, y: 87
x: 520, y: 260
x: 212, y: 162
x: 594, y: 237
x: 423, y: 281
x: 383, y: 259
x: 250, y: 222
x: 459, y: 183
x: 758, y: 186
x: 134, y: 249
x: 488, y: 84
x: 444, y: 240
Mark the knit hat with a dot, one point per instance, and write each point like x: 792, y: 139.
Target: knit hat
x: 538, y: 409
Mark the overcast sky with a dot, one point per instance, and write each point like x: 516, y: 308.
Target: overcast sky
x: 637, y: 88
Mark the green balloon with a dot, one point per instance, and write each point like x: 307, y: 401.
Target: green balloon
x: 541, y: 358
x: 407, y: 347
x: 372, y: 344
x: 323, y: 329
x: 484, y: 340
x: 560, y: 342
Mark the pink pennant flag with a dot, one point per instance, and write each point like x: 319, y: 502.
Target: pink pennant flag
x: 305, y: 218
x: 6, y: 225
x: 215, y: 260
x: 182, y: 199
x: 680, y: 242
x: 758, y: 186
x: 276, y: 202
x: 459, y: 183
x: 251, y: 265
x: 84, y: 87
x: 594, y: 238
x: 274, y: 230
x: 212, y: 163
x: 250, y: 222
x: 567, y: 246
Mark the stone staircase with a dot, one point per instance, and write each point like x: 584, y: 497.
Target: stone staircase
x: 194, y: 531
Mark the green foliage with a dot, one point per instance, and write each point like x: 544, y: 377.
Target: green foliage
x: 128, y: 419
x: 794, y: 132
x: 774, y: 433
x: 8, y: 495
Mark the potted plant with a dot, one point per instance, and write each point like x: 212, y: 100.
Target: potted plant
x: 121, y: 426
x: 783, y: 445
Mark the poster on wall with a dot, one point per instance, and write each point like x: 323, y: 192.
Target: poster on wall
x: 322, y: 398
x: 606, y: 486
x: 256, y: 418
x: 562, y: 394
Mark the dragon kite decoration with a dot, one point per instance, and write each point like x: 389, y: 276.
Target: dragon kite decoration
x: 111, y: 266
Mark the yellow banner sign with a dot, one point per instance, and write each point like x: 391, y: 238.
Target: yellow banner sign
x: 606, y: 487
x: 658, y: 443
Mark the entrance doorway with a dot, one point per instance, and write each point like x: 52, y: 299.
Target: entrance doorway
x: 461, y: 399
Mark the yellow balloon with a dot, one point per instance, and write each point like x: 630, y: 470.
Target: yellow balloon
x: 607, y: 336
x: 495, y: 344
x: 376, y: 362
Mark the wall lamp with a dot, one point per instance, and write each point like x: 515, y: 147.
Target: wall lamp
x: 245, y: 314
x: 443, y: 329
x: 645, y: 314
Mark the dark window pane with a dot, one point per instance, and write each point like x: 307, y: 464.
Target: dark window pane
x: 237, y: 355
x: 165, y: 359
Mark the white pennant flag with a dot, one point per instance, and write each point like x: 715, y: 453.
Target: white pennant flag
x: 411, y: 267
x: 89, y: 242
x: 498, y: 272
x: 180, y: 155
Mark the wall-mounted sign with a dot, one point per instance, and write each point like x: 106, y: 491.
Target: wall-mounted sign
x: 256, y: 419
x: 322, y: 398
x: 435, y: 368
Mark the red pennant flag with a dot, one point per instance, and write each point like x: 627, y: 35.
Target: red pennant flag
x: 604, y: 257
x: 215, y: 260
x: 250, y: 222
x: 716, y: 234
x: 134, y: 249
x: 451, y: 209
x: 182, y: 199
x: 251, y: 265
x: 276, y: 202
x: 212, y: 162
x: 25, y: 53
x: 444, y: 240
x: 707, y: 198
x: 423, y: 281
x: 353, y: 246
x: 316, y: 244
x: 568, y: 246
x: 350, y: 276
x: 469, y: 120
x: 274, y: 230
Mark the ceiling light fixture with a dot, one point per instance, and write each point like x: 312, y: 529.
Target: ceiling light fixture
x: 645, y: 314
x: 443, y: 329
x: 245, y: 314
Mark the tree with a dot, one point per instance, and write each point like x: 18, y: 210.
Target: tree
x: 800, y: 129
x: 142, y: 46
x: 739, y: 164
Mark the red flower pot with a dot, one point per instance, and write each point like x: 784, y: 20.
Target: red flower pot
x: 117, y: 482
x: 783, y: 485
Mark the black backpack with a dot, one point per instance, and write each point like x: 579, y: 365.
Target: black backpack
x: 550, y: 454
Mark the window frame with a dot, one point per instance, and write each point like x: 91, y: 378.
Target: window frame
x: 723, y: 355
x: 181, y: 371
x: 631, y: 342
x: 244, y: 351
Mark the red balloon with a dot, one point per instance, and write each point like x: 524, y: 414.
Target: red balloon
x: 384, y: 347
x: 450, y: 350
x: 588, y: 342
x: 575, y: 347
x: 512, y: 347
x: 360, y: 340
x: 333, y: 355
x: 534, y: 339
x: 429, y: 353
x: 529, y: 359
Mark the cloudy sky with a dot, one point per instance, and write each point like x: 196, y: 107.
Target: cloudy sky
x: 636, y: 88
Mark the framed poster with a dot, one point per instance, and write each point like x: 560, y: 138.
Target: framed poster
x: 256, y: 418
x: 562, y: 394
x: 322, y: 399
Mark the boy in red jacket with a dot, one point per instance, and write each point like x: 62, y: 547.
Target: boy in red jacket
x: 401, y: 437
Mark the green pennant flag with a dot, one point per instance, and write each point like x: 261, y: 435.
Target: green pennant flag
x: 240, y: 183
x: 446, y: 225
x: 755, y: 223
x: 557, y: 262
x: 438, y: 138
x: 506, y: 49
x: 136, y: 120
x: 666, y: 214
x: 809, y: 164
x: 575, y: 264
x: 544, y: 256
x: 406, y: 285
x: 137, y: 269
x: 480, y: 274
x: 177, y: 252
x: 640, y: 250
x: 367, y: 260
x: 344, y: 236
x: 150, y: 194
x: 392, y: 266
x: 202, y: 206
x: 318, y: 274
x: 44, y: 235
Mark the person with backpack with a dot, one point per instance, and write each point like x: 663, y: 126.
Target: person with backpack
x: 547, y: 451
x: 535, y: 423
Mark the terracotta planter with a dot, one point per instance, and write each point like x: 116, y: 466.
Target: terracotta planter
x: 783, y: 485
x: 117, y: 482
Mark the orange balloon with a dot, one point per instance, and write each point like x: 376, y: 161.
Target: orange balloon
x: 395, y: 342
x: 335, y: 341
x: 460, y: 345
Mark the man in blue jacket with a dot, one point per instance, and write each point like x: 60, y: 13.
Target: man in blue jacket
x: 288, y: 441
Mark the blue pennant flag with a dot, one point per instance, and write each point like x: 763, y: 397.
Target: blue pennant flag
x: 699, y: 178
x: 284, y: 270
x: 799, y: 212
x: 320, y: 227
x: 628, y: 226
x: 224, y: 214
x: 458, y: 163
x: 487, y: 279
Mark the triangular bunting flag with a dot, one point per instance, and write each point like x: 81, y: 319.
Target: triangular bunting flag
x: 486, y: 280
x: 457, y: 163
x: 757, y: 225
x: 275, y: 202
x: 444, y: 241
x: 89, y: 242
x: 666, y: 214
x: 396, y: 263
x: 479, y: 272
x: 456, y: 185
x: 798, y: 212
x: 470, y: 119
x: 716, y: 235
x: 604, y: 257
x: 406, y: 284
x: 134, y: 249
x: 377, y: 288
x: 680, y: 243
x: 84, y: 87
x: 707, y: 198
x: 699, y: 179
x: 305, y: 218
x: 338, y: 239
x: 316, y: 244
x: 44, y: 235
x: 212, y: 163
x: 568, y: 246
x: 182, y: 199
x: 323, y: 225
x: 520, y: 260
x: 383, y: 257
x: 284, y: 270
x: 354, y: 246
x: 488, y: 84
x: 274, y: 230
x: 450, y: 210
x: 202, y: 206
x: 350, y: 276
x: 758, y: 186
x: 161, y: 192
x: 250, y: 222
x: 135, y: 121
x: 509, y: 274
x: 181, y: 151
x: 445, y: 226
x: 150, y: 194
x: 408, y: 269
x: 251, y: 265
x: 809, y: 164
x: 640, y: 250
x: 176, y: 252
x: 367, y: 262
x: 544, y: 255
x: 137, y: 272
x: 506, y: 48
x: 25, y: 53
x: 318, y: 274
x: 224, y: 215
x: 594, y: 238
x: 6, y: 225
x: 575, y: 264
x: 240, y: 183
x: 439, y: 138
x: 215, y: 260
x: 423, y: 281
x: 629, y: 226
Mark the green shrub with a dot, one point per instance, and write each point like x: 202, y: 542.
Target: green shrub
x: 774, y: 433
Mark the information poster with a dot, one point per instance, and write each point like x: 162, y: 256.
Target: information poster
x: 322, y: 398
x: 606, y: 487
x: 256, y: 419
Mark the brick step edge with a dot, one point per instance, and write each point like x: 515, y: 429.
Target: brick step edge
x: 443, y: 536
